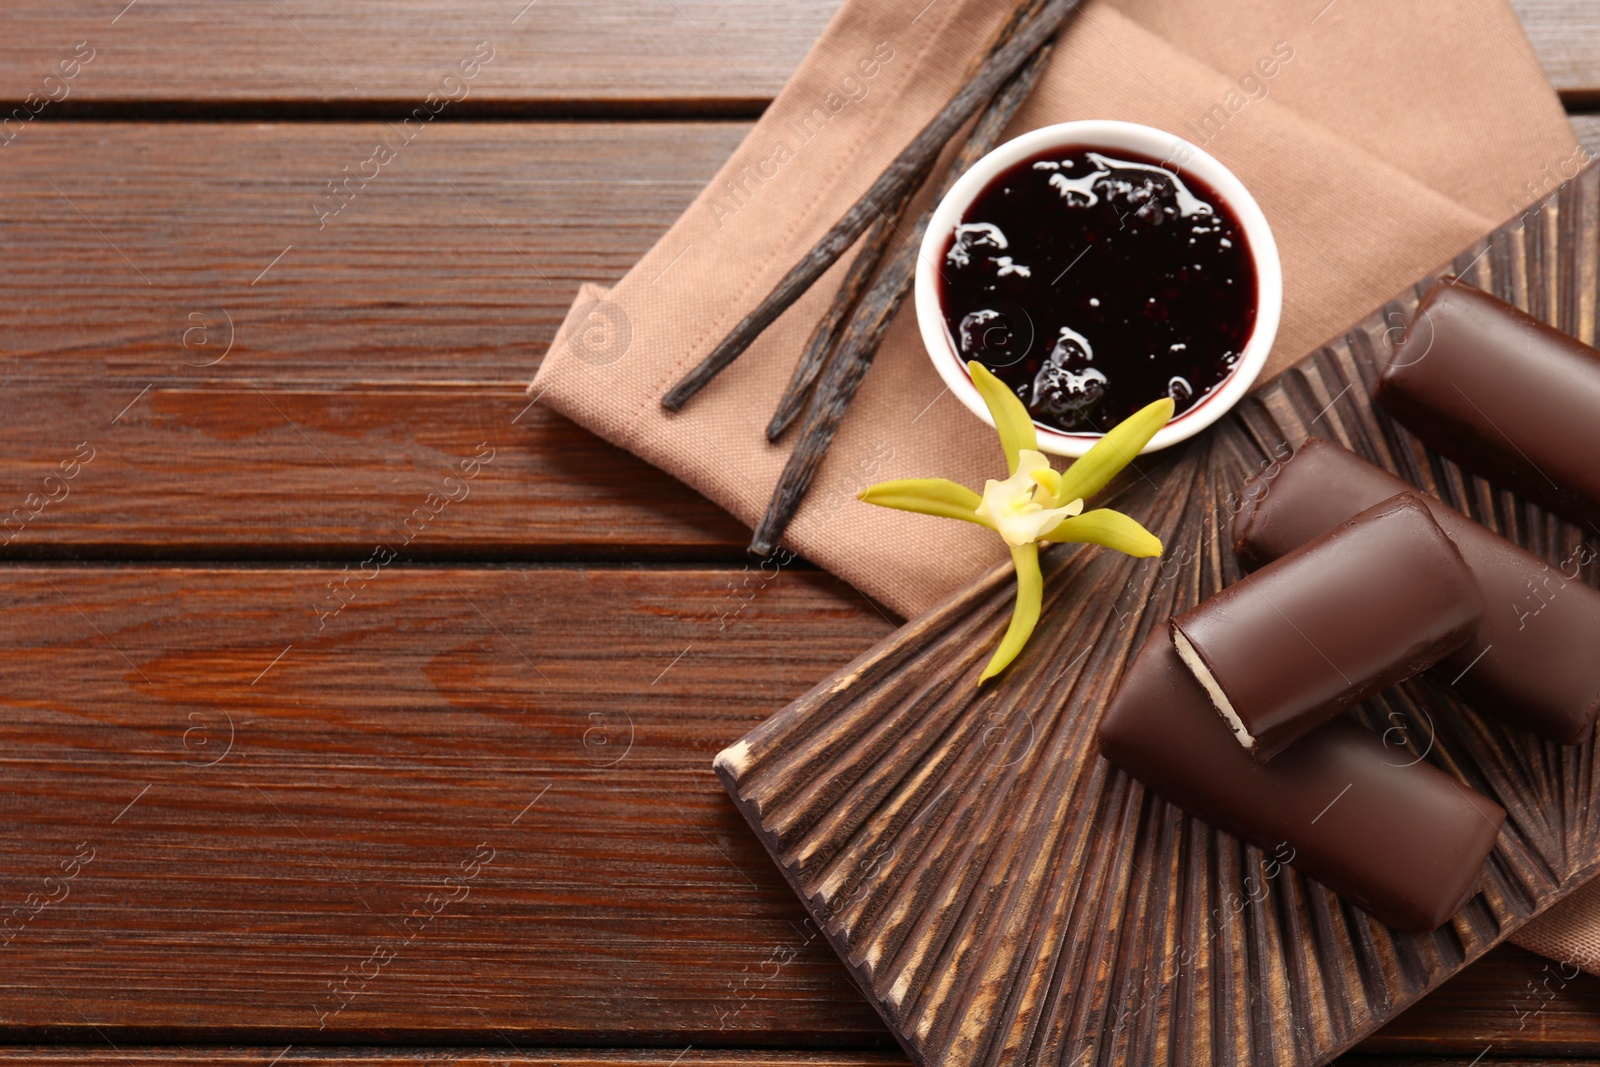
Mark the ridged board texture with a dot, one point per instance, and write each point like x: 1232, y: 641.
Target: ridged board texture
x: 1004, y: 896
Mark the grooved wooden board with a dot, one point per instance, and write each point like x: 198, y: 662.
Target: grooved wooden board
x: 1003, y: 895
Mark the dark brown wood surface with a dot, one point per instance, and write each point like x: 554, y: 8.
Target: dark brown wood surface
x: 472, y: 798
x: 312, y: 407
x: 568, y: 56
x: 378, y: 351
x: 505, y: 1055
x: 381, y: 349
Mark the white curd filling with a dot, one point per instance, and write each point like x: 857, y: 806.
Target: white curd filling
x: 1202, y: 674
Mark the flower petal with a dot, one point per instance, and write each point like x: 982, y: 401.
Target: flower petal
x: 1050, y: 482
x: 1115, y: 450
x: 1025, y: 615
x: 1011, y: 418
x: 1030, y: 463
x: 927, y: 496
x: 1111, y: 529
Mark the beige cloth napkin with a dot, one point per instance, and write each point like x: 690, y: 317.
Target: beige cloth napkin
x: 1379, y: 138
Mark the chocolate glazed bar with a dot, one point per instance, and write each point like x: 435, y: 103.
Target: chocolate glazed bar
x: 1368, y: 604
x: 1399, y: 838
x: 1532, y: 662
x: 1502, y: 394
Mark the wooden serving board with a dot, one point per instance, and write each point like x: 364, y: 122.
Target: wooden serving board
x: 1003, y: 895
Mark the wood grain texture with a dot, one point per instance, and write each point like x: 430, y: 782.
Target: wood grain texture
x: 560, y: 55
x: 454, y: 265
x: 308, y: 409
x: 475, y: 801
x: 294, y: 1056
x: 1004, y: 895
x: 503, y: 1056
x: 389, y: 344
x: 267, y: 472
x: 1511, y: 1002
x: 1488, y: 1059
x: 1588, y: 130
x: 629, y: 904
x: 1566, y: 38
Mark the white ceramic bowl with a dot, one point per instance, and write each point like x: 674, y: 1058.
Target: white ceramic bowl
x: 1113, y: 135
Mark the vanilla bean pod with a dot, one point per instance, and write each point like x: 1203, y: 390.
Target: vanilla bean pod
x: 859, y: 342
x: 993, y: 73
x: 824, y: 339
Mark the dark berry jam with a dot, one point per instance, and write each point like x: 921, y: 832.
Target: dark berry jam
x: 1094, y: 282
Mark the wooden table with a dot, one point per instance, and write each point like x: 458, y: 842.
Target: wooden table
x: 273, y: 794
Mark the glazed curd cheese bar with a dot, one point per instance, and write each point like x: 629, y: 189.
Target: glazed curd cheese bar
x: 1391, y: 834
x: 1502, y: 394
x: 1531, y: 662
x: 1370, y: 603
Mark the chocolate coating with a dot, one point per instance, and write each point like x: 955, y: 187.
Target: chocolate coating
x: 1404, y: 841
x: 1368, y: 604
x: 1531, y: 662
x: 1502, y: 394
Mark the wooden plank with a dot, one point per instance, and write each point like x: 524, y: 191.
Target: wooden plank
x: 455, y: 264
x: 1588, y: 130
x: 307, y: 388
x: 562, y: 56
x: 1511, y: 1002
x: 566, y: 56
x: 1358, y: 1060
x: 473, y: 801
x: 268, y: 472
x: 505, y: 1055
x: 1565, y: 35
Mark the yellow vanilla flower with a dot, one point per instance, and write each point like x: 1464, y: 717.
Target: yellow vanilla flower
x: 1035, y: 503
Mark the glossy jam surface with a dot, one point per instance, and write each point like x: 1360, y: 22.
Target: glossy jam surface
x: 1093, y: 282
